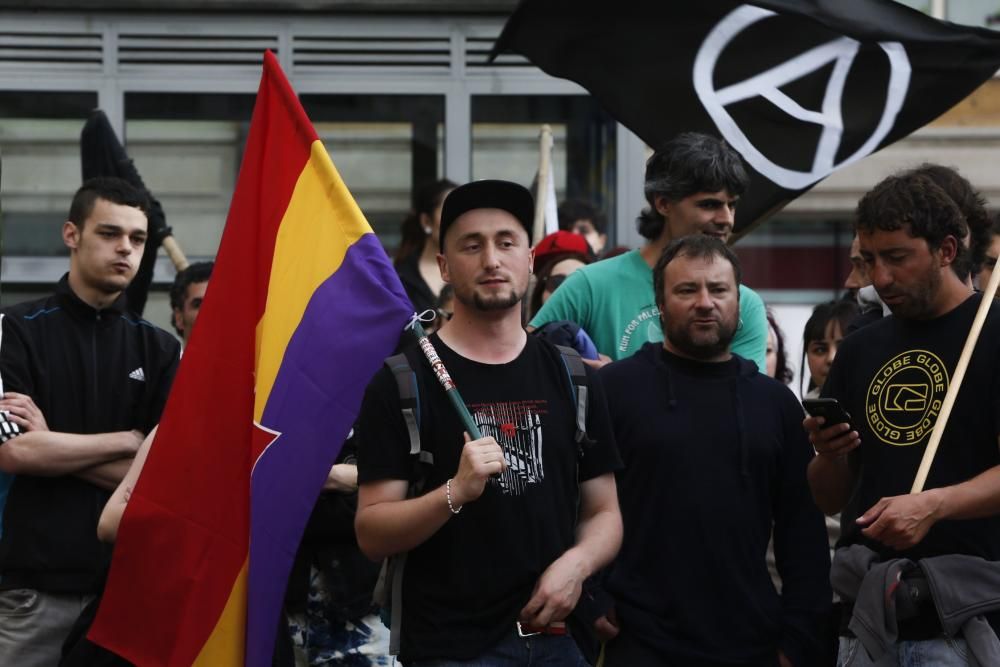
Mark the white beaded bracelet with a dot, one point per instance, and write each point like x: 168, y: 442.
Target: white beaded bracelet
x: 447, y: 494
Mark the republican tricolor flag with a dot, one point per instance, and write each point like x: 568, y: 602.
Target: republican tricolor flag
x: 301, y: 310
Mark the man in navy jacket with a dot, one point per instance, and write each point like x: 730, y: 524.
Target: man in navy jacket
x: 715, y: 457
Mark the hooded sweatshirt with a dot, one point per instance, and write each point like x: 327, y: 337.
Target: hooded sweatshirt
x: 715, y: 455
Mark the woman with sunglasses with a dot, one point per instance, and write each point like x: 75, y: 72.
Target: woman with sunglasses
x: 556, y: 256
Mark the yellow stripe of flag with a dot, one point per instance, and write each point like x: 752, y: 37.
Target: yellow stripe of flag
x: 307, y: 224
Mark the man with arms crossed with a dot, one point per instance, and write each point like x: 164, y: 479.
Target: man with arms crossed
x: 891, y: 377
x: 85, y: 380
x: 508, y: 526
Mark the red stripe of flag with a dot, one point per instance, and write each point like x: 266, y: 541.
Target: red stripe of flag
x: 185, y: 533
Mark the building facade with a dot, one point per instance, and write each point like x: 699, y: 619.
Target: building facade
x: 401, y: 93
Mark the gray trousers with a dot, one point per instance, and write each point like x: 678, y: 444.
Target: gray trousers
x: 34, y: 625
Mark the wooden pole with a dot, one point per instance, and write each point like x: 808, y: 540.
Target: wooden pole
x: 451, y: 391
x: 956, y: 383
x: 544, y: 164
x: 175, y: 253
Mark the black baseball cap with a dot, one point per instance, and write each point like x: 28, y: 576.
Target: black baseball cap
x: 504, y: 195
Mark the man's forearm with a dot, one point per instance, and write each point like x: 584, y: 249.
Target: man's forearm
x: 106, y: 475
x: 830, y: 481
x: 977, y: 498
x: 388, y: 528
x: 599, y: 538
x: 599, y: 529
x: 50, y: 453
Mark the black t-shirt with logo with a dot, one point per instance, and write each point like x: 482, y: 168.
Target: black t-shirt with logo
x: 464, y: 587
x: 892, y: 377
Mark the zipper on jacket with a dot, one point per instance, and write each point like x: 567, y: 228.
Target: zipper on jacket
x: 93, y: 361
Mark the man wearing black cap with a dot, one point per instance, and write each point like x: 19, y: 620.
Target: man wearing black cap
x: 506, y: 527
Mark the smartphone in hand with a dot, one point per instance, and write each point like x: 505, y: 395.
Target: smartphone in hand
x: 829, y: 409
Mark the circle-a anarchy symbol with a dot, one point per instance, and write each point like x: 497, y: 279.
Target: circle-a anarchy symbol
x: 840, y: 51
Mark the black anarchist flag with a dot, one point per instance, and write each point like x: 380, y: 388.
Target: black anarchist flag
x: 798, y: 87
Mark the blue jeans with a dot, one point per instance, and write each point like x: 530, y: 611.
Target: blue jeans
x: 514, y: 651
x: 943, y: 652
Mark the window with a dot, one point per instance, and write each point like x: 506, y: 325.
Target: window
x: 383, y: 147
x: 40, y: 149
x: 187, y: 148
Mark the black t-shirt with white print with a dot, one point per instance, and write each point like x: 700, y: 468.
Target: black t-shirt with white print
x: 464, y: 587
x: 892, y: 377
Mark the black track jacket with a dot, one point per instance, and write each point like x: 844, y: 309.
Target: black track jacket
x: 88, y: 371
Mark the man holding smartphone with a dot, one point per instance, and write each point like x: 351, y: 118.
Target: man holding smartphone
x: 892, y: 377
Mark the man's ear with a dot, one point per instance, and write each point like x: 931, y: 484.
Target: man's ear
x: 71, y: 235
x: 662, y: 205
x: 948, y: 250
x: 443, y: 268
x: 178, y: 320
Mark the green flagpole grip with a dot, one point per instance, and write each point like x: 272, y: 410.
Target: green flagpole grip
x: 445, y: 379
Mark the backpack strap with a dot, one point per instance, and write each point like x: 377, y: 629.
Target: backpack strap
x: 409, y: 397
x: 576, y: 371
x: 390, y: 584
x: 409, y: 402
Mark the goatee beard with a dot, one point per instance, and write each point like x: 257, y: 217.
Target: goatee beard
x: 497, y: 303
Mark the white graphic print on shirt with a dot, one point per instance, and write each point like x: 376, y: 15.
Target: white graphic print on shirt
x: 517, y: 428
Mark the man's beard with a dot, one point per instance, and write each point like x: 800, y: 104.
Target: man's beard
x: 917, y: 305
x: 487, y: 304
x: 706, y: 347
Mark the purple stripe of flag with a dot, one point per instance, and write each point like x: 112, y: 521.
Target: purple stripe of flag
x: 352, y: 322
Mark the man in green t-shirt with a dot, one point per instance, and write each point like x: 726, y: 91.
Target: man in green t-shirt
x: 692, y: 186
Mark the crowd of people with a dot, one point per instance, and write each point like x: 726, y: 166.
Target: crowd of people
x: 645, y: 489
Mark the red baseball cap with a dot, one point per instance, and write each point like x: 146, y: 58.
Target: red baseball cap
x: 562, y: 242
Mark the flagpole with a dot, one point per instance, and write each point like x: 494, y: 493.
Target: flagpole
x: 174, y: 252
x: 956, y: 384
x: 445, y: 379
x: 544, y: 165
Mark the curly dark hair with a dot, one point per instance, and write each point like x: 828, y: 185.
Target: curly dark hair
x: 914, y: 202
x: 688, y: 164
x: 973, y: 208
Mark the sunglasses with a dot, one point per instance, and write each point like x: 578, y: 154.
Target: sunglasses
x: 554, y: 281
